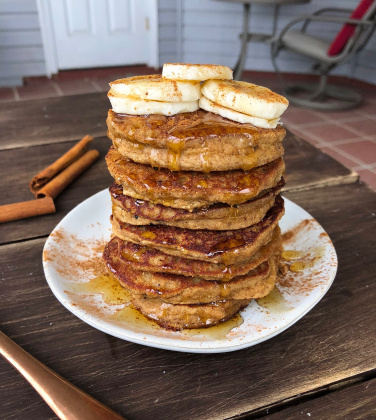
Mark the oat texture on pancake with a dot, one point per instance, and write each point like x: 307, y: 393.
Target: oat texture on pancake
x: 197, y: 162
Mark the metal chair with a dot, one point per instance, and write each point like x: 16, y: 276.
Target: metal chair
x: 322, y: 95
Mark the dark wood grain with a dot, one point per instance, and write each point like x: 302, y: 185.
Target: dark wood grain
x: 332, y: 343
x: 352, y: 403
x: 52, y: 120
x: 18, y: 166
x: 307, y: 167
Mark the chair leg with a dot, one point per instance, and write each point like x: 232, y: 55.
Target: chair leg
x: 322, y: 96
x: 274, y: 51
x: 313, y: 95
x: 319, y: 93
x: 238, y: 69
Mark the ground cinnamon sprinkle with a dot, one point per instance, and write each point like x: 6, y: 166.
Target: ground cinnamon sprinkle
x: 290, y: 234
x: 58, y: 235
x: 87, y: 303
x: 304, y: 281
x: 46, y: 256
x: 87, y: 258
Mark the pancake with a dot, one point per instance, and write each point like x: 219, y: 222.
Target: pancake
x: 179, y: 289
x: 227, y: 246
x: 189, y: 190
x: 149, y: 259
x: 178, y: 317
x: 194, y: 141
x: 216, y: 217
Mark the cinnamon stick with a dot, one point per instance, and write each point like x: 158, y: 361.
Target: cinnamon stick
x: 69, y: 157
x: 24, y: 209
x: 68, y: 175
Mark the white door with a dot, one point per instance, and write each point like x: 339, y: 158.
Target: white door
x: 100, y: 33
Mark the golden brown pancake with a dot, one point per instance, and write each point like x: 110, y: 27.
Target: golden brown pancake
x: 178, y: 317
x: 179, y: 289
x: 189, y: 190
x: 194, y: 141
x: 216, y: 217
x: 216, y: 246
x: 150, y: 259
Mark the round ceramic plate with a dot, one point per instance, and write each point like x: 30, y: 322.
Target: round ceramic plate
x: 72, y: 255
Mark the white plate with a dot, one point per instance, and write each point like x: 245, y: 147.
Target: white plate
x: 77, y: 236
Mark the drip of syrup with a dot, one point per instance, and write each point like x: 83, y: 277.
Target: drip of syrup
x: 234, y: 210
x: 174, y: 148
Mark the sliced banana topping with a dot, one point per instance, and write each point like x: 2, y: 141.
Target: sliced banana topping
x: 127, y: 105
x: 197, y: 72
x: 246, y: 98
x: 156, y: 88
x: 210, y: 106
x: 179, y: 90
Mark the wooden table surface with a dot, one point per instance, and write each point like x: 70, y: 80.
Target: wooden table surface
x: 323, y: 367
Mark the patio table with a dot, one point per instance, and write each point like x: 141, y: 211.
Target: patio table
x: 247, y: 36
x: 321, y: 367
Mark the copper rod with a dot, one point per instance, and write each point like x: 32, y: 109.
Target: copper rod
x: 67, y: 401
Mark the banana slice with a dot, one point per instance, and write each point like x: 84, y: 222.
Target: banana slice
x: 155, y: 88
x: 247, y: 98
x: 211, y: 106
x: 127, y: 105
x: 196, y: 72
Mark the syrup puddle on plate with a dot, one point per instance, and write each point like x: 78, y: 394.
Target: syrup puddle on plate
x: 274, y: 302
x: 106, y: 285
x: 218, y: 332
x: 113, y: 294
x: 301, y: 260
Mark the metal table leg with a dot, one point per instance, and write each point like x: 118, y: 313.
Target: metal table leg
x: 238, y: 70
x: 275, y: 20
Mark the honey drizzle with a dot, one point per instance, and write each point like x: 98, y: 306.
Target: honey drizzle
x: 228, y: 249
x: 134, y: 256
x: 227, y: 273
x: 174, y: 148
x: 160, y: 188
x: 148, y: 234
x: 224, y: 289
x: 234, y: 210
x: 208, y: 127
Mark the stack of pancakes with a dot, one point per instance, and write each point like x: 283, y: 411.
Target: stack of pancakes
x: 195, y: 211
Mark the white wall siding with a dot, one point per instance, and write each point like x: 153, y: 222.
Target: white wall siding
x: 210, y: 33
x: 189, y: 30
x: 168, y: 30
x: 21, y: 50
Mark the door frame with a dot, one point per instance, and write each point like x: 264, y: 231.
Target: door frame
x: 48, y: 40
